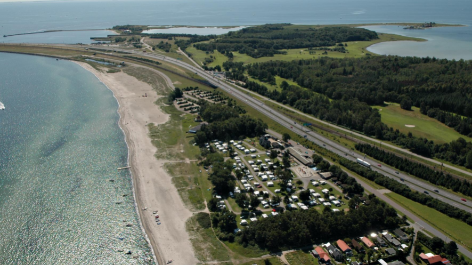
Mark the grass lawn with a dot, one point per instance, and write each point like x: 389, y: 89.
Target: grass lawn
x: 272, y: 260
x: 300, y: 257
x: 249, y: 251
x: 432, y: 129
x: 453, y: 228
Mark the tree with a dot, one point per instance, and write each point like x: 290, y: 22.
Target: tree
x: 254, y: 201
x: 305, y: 195
x: 316, y: 158
x: 286, y: 162
x: 286, y: 137
x: 284, y: 85
x: 240, y: 199
x: 451, y: 248
x: 273, y: 154
x: 323, y: 165
x: 285, y: 176
x: 406, y: 103
x: 276, y: 199
x: 177, y: 93
x: 239, y: 174
x: 213, y: 204
x: 468, y: 160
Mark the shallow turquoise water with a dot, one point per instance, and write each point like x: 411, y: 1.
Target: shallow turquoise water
x: 60, y: 144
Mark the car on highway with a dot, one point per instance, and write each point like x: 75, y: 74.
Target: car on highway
x: 426, y: 192
x: 464, y: 200
x: 402, y: 179
x: 379, y: 165
x: 396, y: 172
x: 436, y: 191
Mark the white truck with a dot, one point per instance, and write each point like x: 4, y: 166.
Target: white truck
x: 363, y: 163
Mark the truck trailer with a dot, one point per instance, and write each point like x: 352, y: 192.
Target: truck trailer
x: 363, y: 163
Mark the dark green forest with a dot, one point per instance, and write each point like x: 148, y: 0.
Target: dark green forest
x: 354, y: 87
x: 430, y: 84
x: 270, y: 39
x: 301, y: 228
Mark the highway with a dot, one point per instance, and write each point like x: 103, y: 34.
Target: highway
x: 339, y: 149
x: 413, y: 183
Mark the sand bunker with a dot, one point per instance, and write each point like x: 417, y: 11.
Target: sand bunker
x: 410, y: 126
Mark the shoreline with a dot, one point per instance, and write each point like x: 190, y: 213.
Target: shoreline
x: 169, y: 240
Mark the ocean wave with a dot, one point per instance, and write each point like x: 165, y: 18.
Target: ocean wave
x: 359, y: 12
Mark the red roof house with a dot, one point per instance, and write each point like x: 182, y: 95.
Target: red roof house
x: 367, y: 242
x: 343, y: 246
x: 430, y: 258
x: 323, y: 256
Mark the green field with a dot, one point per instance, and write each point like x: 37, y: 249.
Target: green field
x: 300, y: 257
x: 427, y: 127
x: 355, y: 49
x: 453, y: 228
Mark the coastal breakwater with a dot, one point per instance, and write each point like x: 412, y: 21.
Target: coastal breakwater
x: 49, y: 31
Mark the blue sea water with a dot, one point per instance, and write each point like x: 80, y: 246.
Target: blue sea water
x: 60, y: 145
x: 59, y: 139
x: 19, y: 17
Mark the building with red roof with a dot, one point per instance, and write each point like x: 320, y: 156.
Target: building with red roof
x: 322, y: 255
x: 432, y: 259
x: 367, y: 242
x: 343, y: 246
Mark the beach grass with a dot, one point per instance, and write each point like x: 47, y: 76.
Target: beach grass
x: 207, y: 247
x: 300, y: 257
x: 424, y: 126
x: 453, y: 228
x: 186, y: 178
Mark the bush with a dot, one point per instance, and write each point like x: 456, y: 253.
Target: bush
x: 203, y: 220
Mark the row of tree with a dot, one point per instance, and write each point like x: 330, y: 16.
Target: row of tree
x: 462, y: 125
x: 405, y: 191
x: 435, y: 177
x: 300, y: 228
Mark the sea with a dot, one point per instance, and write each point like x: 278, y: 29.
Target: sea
x: 62, y: 200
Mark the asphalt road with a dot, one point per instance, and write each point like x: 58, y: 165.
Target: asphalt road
x: 332, y: 146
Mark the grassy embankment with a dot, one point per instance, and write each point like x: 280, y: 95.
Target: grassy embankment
x: 453, y: 228
x: 355, y: 49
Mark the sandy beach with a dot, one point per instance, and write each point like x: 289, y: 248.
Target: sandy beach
x: 152, y: 185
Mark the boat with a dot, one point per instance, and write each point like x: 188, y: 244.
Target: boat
x: 2, y: 106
